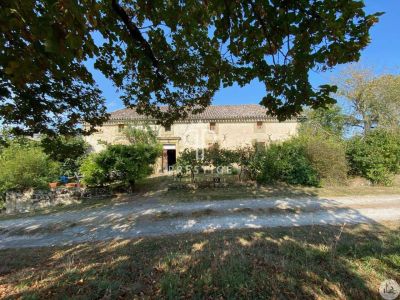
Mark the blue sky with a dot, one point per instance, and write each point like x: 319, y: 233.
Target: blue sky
x: 383, y: 54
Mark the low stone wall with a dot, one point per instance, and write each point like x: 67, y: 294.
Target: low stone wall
x: 19, y: 202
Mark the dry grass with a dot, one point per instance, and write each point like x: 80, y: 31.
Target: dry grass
x: 330, y: 262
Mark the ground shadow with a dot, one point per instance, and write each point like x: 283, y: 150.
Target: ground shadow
x: 309, y: 262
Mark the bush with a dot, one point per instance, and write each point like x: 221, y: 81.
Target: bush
x: 375, y: 156
x: 327, y: 155
x: 220, y: 157
x: 26, y: 166
x: 193, y: 161
x: 247, y: 159
x: 124, y: 163
x: 93, y: 173
x: 189, y: 161
x: 287, y: 162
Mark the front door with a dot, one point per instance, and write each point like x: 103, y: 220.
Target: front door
x: 171, y: 156
x: 168, y: 157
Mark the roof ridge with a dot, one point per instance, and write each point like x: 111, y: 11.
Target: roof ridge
x: 212, y: 105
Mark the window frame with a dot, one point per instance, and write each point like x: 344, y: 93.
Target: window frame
x: 212, y: 126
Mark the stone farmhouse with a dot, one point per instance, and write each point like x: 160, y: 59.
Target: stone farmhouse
x: 231, y: 126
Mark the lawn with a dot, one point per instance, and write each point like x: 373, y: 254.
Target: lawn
x: 330, y: 262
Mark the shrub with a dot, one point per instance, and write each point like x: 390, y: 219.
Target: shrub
x: 93, y: 173
x: 375, y: 156
x: 327, y: 155
x: 189, y: 161
x: 287, y: 162
x: 220, y: 157
x: 26, y: 166
x: 192, y: 161
x: 244, y: 157
x: 124, y: 163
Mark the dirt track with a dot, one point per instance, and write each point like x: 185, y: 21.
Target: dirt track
x: 138, y: 219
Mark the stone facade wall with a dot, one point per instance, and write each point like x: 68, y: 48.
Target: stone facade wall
x: 20, y: 202
x: 228, y: 134
x: 197, y: 134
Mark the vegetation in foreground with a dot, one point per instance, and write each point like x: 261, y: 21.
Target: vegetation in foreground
x: 332, y: 262
x: 187, y: 53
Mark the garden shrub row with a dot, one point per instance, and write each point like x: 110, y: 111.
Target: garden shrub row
x: 310, y: 159
x: 27, y: 163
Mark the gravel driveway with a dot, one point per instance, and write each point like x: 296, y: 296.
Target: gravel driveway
x: 138, y: 219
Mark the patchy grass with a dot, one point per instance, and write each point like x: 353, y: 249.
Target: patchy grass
x: 330, y: 262
x: 164, y: 215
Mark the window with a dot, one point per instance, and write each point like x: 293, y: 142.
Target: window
x: 259, y: 125
x: 213, y: 126
x: 121, y: 127
x: 167, y: 128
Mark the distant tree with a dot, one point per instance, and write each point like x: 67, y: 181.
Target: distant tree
x: 140, y: 134
x: 330, y: 120
x: 385, y: 101
x: 374, y: 100
x: 173, y: 53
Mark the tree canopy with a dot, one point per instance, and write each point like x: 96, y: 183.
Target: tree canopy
x: 172, y: 53
x: 374, y: 99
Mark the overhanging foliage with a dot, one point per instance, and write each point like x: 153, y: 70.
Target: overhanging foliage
x: 174, y: 53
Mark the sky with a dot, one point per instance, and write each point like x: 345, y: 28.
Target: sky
x: 383, y: 55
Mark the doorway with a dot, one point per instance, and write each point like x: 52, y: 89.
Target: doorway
x: 171, y: 158
x: 168, y: 157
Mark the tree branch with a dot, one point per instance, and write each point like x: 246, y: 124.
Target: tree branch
x: 263, y: 28
x: 135, y: 34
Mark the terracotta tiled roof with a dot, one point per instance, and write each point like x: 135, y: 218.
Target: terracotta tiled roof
x: 213, y: 112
